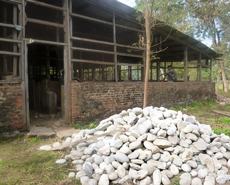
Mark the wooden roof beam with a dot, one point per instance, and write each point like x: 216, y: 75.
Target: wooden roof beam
x: 183, y: 42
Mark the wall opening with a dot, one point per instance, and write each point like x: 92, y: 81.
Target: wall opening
x: 46, y: 82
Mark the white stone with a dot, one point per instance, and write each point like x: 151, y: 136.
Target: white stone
x: 151, y: 137
x: 126, y: 150
x: 98, y: 159
x: 191, y: 136
x: 191, y: 163
x: 188, y: 129
x: 187, y: 154
x: 186, y: 168
x: 202, y: 173
x: 117, y: 143
x: 223, y: 179
x: 134, y: 154
x: 84, y: 179
x: 157, y: 177
x: 104, y: 180
x: 45, y: 147
x: 193, y: 173
x: 135, y: 145
x: 196, y: 181
x: 145, y: 181
x: 120, y: 157
x: 105, y: 150
x: 185, y: 181
x: 161, y: 143
x: 149, y: 145
x: 209, y: 163
x: 121, y: 171
x: 209, y: 180
x: 71, y: 175
x: 112, y: 176
x: 164, y: 178
x: 60, y: 161
x: 173, y: 140
x: 174, y: 169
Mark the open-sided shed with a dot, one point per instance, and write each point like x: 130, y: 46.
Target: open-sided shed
x: 79, y: 58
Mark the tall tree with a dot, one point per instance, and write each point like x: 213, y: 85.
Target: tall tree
x: 201, y: 18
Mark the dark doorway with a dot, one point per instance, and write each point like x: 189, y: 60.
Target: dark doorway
x: 46, y: 81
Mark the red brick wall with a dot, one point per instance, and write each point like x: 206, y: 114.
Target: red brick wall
x: 11, y: 116
x: 91, y: 100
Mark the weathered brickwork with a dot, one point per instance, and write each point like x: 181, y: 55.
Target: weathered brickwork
x: 11, y: 116
x: 91, y: 100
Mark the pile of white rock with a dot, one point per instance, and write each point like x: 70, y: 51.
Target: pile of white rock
x: 156, y: 145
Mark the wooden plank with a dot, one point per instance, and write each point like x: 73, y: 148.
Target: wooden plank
x: 185, y: 63
x: 128, y: 64
x: 92, y: 50
x: 222, y: 112
x: 10, y: 53
x: 47, y: 23
x: 46, y: 42
x: 46, y: 5
x: 92, y: 62
x: 103, y: 22
x: 67, y: 145
x: 69, y: 39
x: 115, y: 47
x: 183, y: 41
x: 10, y: 40
x: 67, y: 62
x: 7, y: 25
x: 26, y: 86
x: 13, y: 1
x: 107, y: 43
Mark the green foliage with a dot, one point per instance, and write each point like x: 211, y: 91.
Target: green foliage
x: 82, y: 127
x: 176, y: 181
x: 34, y: 140
x: 198, y: 105
x: 219, y: 131
x: 23, y: 163
x: 224, y: 120
x: 211, y: 120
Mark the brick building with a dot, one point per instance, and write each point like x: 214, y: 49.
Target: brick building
x: 80, y: 58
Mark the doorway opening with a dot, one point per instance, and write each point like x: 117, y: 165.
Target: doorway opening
x: 46, y: 84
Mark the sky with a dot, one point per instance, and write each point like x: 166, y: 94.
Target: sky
x: 132, y: 3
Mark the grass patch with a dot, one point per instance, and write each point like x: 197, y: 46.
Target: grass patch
x: 176, y: 181
x: 219, y: 131
x: 198, y: 107
x: 82, y: 127
x: 23, y: 163
x: 224, y: 120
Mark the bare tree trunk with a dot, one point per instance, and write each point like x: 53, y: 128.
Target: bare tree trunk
x: 224, y: 77
x: 148, y: 45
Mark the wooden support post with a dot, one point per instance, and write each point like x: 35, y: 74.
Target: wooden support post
x: 15, y: 37
x: 199, y: 68
x: 158, y: 70
x: 211, y: 70
x: 185, y: 64
x: 115, y: 47
x: 71, y: 35
x: 67, y: 62
x: 5, y: 63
